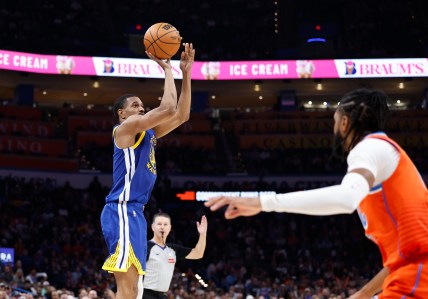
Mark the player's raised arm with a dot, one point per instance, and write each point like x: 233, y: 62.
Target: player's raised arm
x: 182, y: 112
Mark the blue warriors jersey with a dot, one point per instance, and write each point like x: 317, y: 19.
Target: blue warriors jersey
x: 134, y: 170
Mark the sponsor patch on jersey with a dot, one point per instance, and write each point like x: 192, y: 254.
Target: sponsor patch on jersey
x: 171, y: 258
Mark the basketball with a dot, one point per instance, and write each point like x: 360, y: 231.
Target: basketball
x: 162, y: 40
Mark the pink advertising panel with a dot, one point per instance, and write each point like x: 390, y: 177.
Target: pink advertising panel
x: 274, y: 69
x: 215, y: 70
x: 46, y: 64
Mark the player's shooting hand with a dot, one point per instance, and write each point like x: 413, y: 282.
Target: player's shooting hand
x: 203, y: 225
x: 165, y: 64
x: 236, y: 206
x: 187, y: 58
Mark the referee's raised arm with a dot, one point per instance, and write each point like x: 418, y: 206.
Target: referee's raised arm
x: 199, y: 249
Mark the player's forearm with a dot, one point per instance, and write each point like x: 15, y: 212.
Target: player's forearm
x: 375, y: 284
x: 183, y: 107
x: 198, y: 251
x: 339, y: 199
x: 200, y: 246
x: 169, y: 98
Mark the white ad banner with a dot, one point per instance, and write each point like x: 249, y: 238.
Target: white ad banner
x: 382, y: 68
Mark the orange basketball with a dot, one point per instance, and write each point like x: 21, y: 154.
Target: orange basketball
x: 162, y: 40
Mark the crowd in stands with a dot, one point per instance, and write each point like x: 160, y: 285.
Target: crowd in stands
x: 59, y: 248
x: 220, y: 30
x: 269, y: 143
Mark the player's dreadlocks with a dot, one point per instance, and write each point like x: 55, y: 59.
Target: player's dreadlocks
x: 368, y: 113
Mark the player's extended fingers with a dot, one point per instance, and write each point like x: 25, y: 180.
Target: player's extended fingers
x: 188, y: 48
x: 216, y: 203
x: 204, y: 222
x: 191, y: 51
x: 211, y: 201
x: 185, y: 48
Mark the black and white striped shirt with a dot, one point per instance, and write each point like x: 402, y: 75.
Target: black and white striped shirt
x: 160, y: 264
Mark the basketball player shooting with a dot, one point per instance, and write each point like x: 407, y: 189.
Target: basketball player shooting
x: 134, y: 173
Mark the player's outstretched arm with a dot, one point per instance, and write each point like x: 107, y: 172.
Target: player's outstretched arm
x: 338, y: 199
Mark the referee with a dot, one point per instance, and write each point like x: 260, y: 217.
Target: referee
x: 162, y: 256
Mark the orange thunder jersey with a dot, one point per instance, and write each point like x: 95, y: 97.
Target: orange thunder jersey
x: 395, y: 214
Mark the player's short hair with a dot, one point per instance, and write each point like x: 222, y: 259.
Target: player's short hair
x: 161, y: 214
x: 119, y: 103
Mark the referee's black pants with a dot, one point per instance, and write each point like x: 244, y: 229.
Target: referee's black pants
x: 150, y: 294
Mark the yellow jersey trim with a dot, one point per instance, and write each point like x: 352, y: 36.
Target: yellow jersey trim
x: 139, y: 140
x: 114, y: 130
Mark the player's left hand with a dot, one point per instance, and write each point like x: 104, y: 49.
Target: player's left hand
x: 203, y: 225
x: 236, y: 206
x: 187, y: 58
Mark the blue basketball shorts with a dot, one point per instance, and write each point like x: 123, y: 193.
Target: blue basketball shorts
x: 125, y: 232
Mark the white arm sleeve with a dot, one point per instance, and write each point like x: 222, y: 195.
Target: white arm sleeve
x: 339, y: 199
x: 377, y: 156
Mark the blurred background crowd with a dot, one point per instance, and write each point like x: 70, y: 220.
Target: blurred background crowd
x: 59, y: 248
x: 55, y: 230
